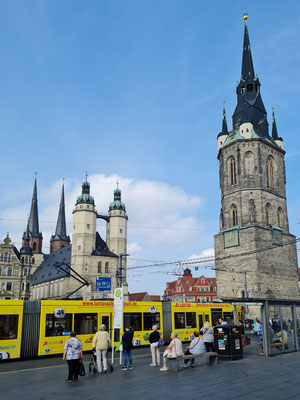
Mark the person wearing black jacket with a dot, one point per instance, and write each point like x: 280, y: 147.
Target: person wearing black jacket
x: 154, y: 341
x: 127, y: 346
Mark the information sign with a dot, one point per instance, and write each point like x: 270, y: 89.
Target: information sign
x: 118, y: 308
x: 103, y: 284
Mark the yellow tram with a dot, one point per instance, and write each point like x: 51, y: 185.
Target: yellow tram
x: 40, y: 328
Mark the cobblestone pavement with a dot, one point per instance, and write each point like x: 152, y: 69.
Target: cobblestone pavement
x: 254, y: 377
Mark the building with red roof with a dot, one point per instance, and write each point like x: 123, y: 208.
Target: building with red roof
x: 190, y: 289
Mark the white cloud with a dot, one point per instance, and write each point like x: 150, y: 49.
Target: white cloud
x: 133, y: 248
x: 150, y: 204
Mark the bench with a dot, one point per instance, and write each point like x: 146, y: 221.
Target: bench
x: 277, y: 345
x: 210, y: 357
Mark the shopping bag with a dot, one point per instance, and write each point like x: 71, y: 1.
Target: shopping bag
x: 81, y: 371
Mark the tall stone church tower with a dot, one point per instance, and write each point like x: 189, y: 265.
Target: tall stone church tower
x: 253, y: 214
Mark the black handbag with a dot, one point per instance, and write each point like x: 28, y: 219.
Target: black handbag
x: 81, y: 371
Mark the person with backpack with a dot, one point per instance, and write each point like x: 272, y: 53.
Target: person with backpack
x: 154, y: 346
x: 73, y: 355
x: 127, y: 346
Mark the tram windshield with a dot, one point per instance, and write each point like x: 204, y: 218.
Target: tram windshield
x: 9, y: 327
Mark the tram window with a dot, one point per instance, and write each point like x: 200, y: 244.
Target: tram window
x: 179, y: 320
x: 191, y: 320
x: 85, y: 323
x: 151, y: 319
x: 134, y: 320
x: 216, y: 313
x: 8, y: 327
x: 200, y: 316
x: 228, y: 316
x: 105, y: 321
x: 58, y: 326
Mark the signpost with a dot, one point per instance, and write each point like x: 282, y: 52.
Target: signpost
x: 103, y: 284
x: 118, y: 316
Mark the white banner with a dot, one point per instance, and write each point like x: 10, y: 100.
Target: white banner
x: 118, y: 308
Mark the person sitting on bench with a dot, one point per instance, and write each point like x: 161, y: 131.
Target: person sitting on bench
x: 172, y: 351
x: 196, y: 347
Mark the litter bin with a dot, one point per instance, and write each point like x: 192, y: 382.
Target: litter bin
x: 228, y: 342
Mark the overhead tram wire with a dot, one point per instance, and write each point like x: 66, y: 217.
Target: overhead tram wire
x: 212, y: 258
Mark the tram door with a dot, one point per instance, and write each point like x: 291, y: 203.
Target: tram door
x: 201, y: 322
x: 105, y: 319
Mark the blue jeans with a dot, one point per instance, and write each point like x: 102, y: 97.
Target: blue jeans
x: 127, y: 355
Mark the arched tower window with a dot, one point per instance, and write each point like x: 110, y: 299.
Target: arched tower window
x: 249, y: 163
x: 99, y: 267
x: 106, y: 267
x: 34, y: 246
x: 231, y: 170
x: 269, y: 214
x: 270, y: 173
x: 233, y: 215
x: 280, y: 217
x: 25, y: 272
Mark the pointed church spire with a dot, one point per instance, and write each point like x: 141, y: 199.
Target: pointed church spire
x: 250, y: 107
x: 274, y: 126
x: 61, y: 230
x: 247, y: 63
x: 33, y: 221
x: 60, y: 238
x: 224, y: 121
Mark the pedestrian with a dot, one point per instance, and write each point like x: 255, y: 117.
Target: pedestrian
x: 172, y: 351
x: 222, y: 322
x: 257, y: 327
x: 101, y: 343
x: 243, y: 333
x: 208, y: 336
x: 196, y: 347
x: 73, y: 354
x: 154, y: 342
x: 127, y: 346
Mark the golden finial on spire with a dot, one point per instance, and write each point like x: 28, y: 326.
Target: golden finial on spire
x: 245, y: 17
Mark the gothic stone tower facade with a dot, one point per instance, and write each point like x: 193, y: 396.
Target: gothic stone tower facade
x: 253, y: 215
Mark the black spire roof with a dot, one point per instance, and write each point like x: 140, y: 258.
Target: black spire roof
x: 274, y: 127
x: 224, y: 130
x: 61, y: 230
x: 33, y: 221
x: 250, y: 107
x: 101, y: 248
x: 26, y: 249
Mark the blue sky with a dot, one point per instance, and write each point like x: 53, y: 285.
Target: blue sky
x: 133, y: 90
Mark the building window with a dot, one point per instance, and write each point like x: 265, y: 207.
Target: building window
x: 270, y: 173
x: 25, y: 272
x: 0, y: 271
x: 88, y: 226
x: 233, y: 215
x: 208, y: 299
x: 106, y: 267
x: 34, y: 246
x: 8, y: 286
x: 231, y: 170
x: 215, y: 289
x: 32, y: 260
x: 280, y: 217
x: 26, y: 260
x: 269, y: 214
x: 9, y: 271
x: 249, y: 163
x: 202, y: 288
x: 207, y: 288
x: 121, y: 230
x: 99, y: 267
x: 79, y: 247
x: 27, y: 287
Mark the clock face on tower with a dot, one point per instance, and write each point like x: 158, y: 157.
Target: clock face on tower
x: 231, y: 237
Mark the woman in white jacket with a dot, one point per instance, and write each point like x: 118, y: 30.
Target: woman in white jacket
x: 208, y: 336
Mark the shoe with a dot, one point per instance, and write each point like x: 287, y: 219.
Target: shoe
x: 130, y: 366
x: 152, y: 365
x: 164, y: 369
x: 185, y: 366
x: 124, y: 369
x: 104, y: 371
x: 99, y: 372
x: 192, y: 365
x: 68, y: 380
